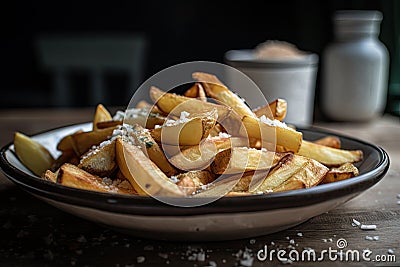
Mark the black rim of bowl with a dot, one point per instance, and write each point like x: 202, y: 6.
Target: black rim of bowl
x: 139, y: 205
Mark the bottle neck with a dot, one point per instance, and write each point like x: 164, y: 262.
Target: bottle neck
x: 349, y: 36
x: 356, y: 29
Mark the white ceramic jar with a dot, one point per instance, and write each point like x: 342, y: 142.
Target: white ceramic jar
x: 292, y: 79
x: 355, y: 68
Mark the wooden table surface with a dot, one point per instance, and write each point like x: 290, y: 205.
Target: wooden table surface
x: 33, y: 233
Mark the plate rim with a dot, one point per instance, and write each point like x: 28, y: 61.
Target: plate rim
x: 141, y: 205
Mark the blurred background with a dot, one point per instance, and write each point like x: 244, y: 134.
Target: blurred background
x: 79, y: 53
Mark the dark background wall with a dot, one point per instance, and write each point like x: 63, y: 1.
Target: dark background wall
x: 177, y: 31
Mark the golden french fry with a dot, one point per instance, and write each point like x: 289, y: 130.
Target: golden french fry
x: 290, y: 184
x: 199, y: 178
x: 285, y: 136
x: 72, y: 176
x: 293, y: 169
x: 188, y: 133
x: 187, y: 185
x: 67, y: 143
x: 149, y: 146
x: 32, y: 154
x: 143, y: 104
x: 244, y: 159
x: 201, y: 93
x: 148, y: 177
x: 68, y: 156
x: 144, y: 117
x: 198, y: 157
x: 329, y: 156
x: 101, y: 114
x: 331, y: 141
x: 192, y: 92
x: 343, y: 172
x: 243, y: 185
x: 175, y: 104
x: 192, y: 181
x: 218, y: 188
x: 108, y: 124
x: 100, y: 160
x: 196, y: 91
x: 217, y: 90
x: 274, y: 110
x: 50, y: 176
x: 83, y: 141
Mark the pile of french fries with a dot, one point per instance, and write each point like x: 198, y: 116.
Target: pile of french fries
x: 191, y: 145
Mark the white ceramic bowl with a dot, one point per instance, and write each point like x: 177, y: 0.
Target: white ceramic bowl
x: 225, y: 219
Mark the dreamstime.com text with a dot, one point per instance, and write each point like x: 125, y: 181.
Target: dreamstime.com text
x: 331, y: 254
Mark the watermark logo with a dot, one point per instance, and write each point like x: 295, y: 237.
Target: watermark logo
x: 341, y: 243
x: 338, y: 253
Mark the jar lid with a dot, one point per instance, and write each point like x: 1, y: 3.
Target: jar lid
x: 358, y: 15
x: 357, y: 21
x: 246, y: 58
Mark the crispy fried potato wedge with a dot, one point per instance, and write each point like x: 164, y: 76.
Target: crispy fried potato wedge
x: 101, y: 114
x: 201, y: 93
x: 275, y: 110
x: 108, y: 124
x: 243, y: 185
x: 143, y: 104
x: 32, y: 154
x: 188, y: 133
x: 218, y: 128
x: 50, y: 176
x: 173, y: 104
x: 148, y: 120
x: 196, y: 91
x: 244, y: 159
x: 153, y: 108
x: 292, y: 171
x: 199, y: 178
x: 148, y: 179
x: 68, y: 156
x: 285, y: 136
x: 343, y: 172
x: 331, y: 141
x: 150, y: 147
x: 144, y: 117
x: 290, y: 184
x: 67, y: 142
x: 80, y: 141
x: 329, y: 156
x: 100, y: 160
x: 218, y: 188
x: 186, y: 185
x: 231, y: 185
x: 198, y: 157
x: 192, y: 92
x: 217, y: 90
x: 72, y: 176
x: 85, y: 140
x: 192, y: 181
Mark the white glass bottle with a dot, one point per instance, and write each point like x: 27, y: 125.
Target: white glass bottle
x: 355, y: 68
